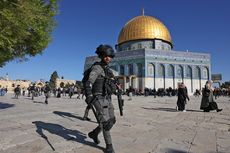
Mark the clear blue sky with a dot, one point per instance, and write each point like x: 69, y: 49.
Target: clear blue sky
x: 195, y: 25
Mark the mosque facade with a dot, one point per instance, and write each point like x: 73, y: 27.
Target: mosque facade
x: 145, y: 58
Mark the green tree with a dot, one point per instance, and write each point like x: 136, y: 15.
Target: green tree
x: 25, y: 28
x: 53, y: 79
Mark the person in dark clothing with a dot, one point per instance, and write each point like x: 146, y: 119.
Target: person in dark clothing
x: 33, y: 91
x: 17, y: 91
x: 71, y: 91
x: 207, y: 101
x: 182, y: 96
x: 59, y: 92
x: 98, y: 95
x: 47, y: 90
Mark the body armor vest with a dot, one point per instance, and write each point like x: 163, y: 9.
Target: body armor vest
x: 98, y: 87
x: 103, y: 85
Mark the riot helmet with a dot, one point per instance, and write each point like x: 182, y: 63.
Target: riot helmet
x: 105, y: 50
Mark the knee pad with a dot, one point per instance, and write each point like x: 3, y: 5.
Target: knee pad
x: 107, y: 125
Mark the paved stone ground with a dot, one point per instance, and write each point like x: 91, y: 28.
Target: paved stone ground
x: 149, y: 125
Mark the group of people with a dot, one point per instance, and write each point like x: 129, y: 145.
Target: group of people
x: 33, y: 91
x: 98, y: 96
x: 207, y: 102
x: 99, y: 85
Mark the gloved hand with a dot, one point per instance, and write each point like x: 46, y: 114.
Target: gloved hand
x: 89, y: 99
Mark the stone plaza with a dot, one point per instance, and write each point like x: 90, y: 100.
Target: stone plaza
x: 149, y: 125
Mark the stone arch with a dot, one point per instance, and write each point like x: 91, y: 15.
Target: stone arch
x: 130, y: 69
x: 140, y: 75
x: 180, y: 72
x: 151, y: 72
x: 205, y: 73
x: 161, y: 75
x: 197, y: 77
x: 171, y: 75
x: 122, y: 70
x: 189, y: 77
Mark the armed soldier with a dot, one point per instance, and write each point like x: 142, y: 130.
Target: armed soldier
x: 17, y: 91
x: 47, y: 90
x: 98, y: 95
x: 33, y: 91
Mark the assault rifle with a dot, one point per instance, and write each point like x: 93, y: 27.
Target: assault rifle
x: 119, y: 96
x: 113, y: 87
x: 120, y: 101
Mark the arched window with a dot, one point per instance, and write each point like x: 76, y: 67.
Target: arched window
x: 180, y: 71
x: 197, y: 72
x: 139, y: 69
x: 150, y: 69
x: 170, y: 70
x: 122, y: 70
x: 161, y: 70
x: 189, y: 72
x: 130, y: 67
x: 205, y: 73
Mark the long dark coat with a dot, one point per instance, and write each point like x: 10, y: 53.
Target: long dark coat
x: 181, y: 101
x: 207, y: 101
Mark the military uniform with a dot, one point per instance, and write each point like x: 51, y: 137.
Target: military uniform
x: 17, y: 91
x: 98, y: 93
x: 47, y: 90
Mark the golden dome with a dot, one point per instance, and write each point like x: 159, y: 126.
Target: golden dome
x: 144, y: 27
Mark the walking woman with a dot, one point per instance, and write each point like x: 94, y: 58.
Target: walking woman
x: 207, y: 101
x: 182, y: 96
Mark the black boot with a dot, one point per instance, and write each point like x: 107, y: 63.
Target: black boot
x: 94, y: 135
x: 86, y: 119
x: 219, y: 110
x: 109, y: 148
x: 86, y: 114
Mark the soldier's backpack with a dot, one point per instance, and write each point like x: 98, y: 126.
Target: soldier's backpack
x: 110, y: 86
x: 86, y: 76
x: 87, y: 72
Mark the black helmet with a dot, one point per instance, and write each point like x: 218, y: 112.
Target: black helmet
x: 105, y: 50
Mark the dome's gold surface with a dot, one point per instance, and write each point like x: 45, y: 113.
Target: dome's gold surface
x: 144, y: 27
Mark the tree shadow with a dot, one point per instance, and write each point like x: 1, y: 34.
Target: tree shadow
x: 68, y: 115
x: 5, y: 105
x: 68, y: 134
x: 161, y: 109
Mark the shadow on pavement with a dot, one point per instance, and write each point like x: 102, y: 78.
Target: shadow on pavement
x: 161, y: 109
x: 5, y: 105
x: 68, y: 134
x: 39, y: 102
x: 67, y: 115
x: 175, y: 151
x: 191, y: 110
x: 170, y: 109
